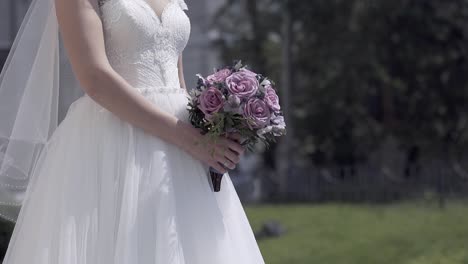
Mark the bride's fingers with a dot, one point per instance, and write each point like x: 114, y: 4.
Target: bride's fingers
x: 236, y: 137
x: 227, y: 163
x: 232, y: 156
x: 228, y: 153
x: 222, y: 159
x: 234, y: 146
x: 215, y: 165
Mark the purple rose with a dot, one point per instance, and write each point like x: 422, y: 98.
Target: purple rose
x: 211, y: 100
x: 243, y: 83
x: 258, y: 112
x: 219, y: 76
x: 272, y: 99
x: 248, y: 72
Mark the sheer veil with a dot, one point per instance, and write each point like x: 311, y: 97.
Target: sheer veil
x: 36, y: 89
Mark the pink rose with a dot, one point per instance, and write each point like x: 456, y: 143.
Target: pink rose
x: 248, y: 72
x: 211, y: 100
x: 272, y: 99
x: 219, y: 76
x: 243, y: 83
x: 258, y: 112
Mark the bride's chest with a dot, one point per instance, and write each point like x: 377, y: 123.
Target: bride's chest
x: 133, y: 23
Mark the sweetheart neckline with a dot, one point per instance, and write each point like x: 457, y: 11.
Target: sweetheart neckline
x: 159, y: 18
x: 152, y: 12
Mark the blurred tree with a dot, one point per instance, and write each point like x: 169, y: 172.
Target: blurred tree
x: 363, y: 70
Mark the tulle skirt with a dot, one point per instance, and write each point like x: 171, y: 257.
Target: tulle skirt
x: 106, y: 192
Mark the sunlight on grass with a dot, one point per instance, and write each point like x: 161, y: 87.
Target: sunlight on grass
x: 410, y: 233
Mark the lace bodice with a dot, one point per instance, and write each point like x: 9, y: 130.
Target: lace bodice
x: 141, y: 45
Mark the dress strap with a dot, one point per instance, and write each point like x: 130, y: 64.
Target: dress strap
x: 101, y: 2
x: 182, y: 4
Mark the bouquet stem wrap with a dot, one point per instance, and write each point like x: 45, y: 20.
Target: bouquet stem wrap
x: 216, y: 178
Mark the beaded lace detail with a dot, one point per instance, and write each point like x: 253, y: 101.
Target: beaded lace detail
x: 162, y: 89
x: 182, y: 3
x: 142, y: 46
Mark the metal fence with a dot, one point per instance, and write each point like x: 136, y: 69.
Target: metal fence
x: 435, y: 180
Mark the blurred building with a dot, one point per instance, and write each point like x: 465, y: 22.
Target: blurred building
x: 199, y: 57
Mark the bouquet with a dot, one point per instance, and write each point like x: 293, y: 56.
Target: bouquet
x: 235, y: 99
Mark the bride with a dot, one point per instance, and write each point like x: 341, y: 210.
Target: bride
x: 122, y: 179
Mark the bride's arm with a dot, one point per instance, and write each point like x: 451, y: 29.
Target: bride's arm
x: 180, y: 65
x: 81, y: 29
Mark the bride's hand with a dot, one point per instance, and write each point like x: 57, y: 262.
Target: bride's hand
x: 225, y: 150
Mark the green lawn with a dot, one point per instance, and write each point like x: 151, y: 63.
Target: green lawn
x: 349, y: 234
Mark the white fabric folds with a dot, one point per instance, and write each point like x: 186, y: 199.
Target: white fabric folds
x: 32, y: 90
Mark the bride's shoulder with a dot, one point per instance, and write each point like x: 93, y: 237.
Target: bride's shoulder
x: 182, y: 4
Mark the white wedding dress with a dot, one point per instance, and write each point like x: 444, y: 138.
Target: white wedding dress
x: 106, y: 192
